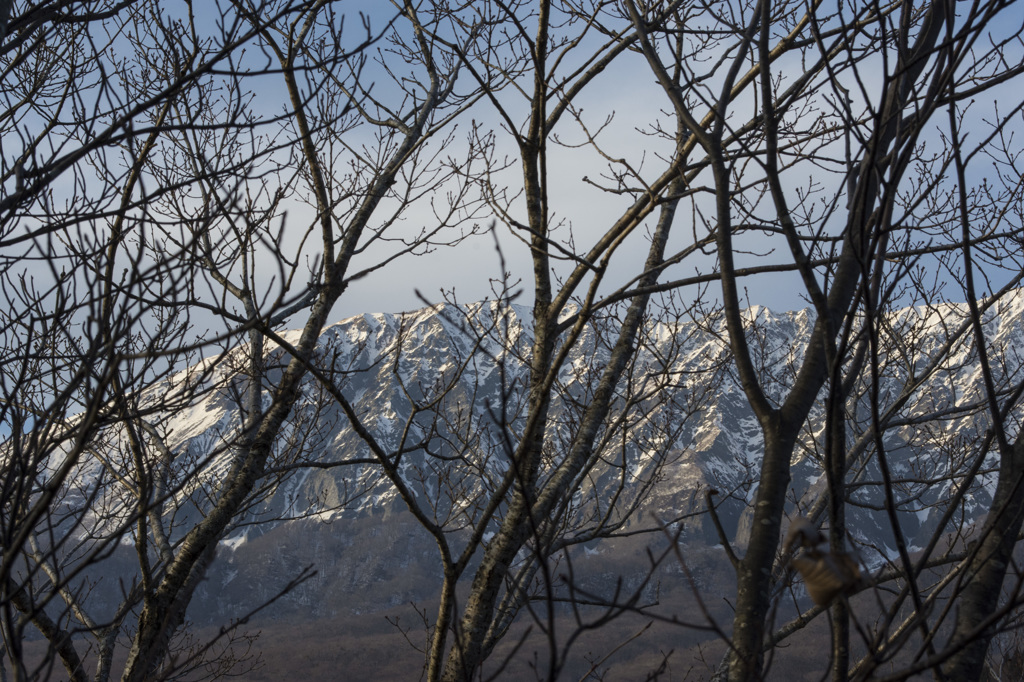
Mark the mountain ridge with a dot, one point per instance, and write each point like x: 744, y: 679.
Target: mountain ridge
x: 694, y: 432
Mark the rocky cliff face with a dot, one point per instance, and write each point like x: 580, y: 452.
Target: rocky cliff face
x: 452, y: 378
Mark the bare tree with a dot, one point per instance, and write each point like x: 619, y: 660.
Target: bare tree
x: 160, y: 227
x: 145, y: 190
x: 875, y: 85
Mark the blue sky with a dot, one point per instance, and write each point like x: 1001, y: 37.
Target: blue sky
x: 629, y: 95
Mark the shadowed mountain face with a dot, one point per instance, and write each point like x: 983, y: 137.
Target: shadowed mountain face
x: 442, y: 392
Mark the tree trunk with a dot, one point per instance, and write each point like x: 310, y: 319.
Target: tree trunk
x: 754, y: 580
x: 987, y: 571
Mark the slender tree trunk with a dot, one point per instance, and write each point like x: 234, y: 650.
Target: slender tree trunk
x: 753, y: 597
x: 987, y: 570
x: 531, y: 507
x: 164, y: 608
x: 439, y: 637
x: 60, y: 639
x: 467, y: 653
x: 836, y: 462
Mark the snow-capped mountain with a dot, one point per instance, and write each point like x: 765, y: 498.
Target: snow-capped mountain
x: 441, y: 393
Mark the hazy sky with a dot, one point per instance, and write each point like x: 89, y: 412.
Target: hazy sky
x: 626, y: 99
x: 623, y: 99
x: 629, y: 95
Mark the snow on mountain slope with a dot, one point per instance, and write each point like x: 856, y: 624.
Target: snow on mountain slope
x: 446, y: 377
x: 384, y: 361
